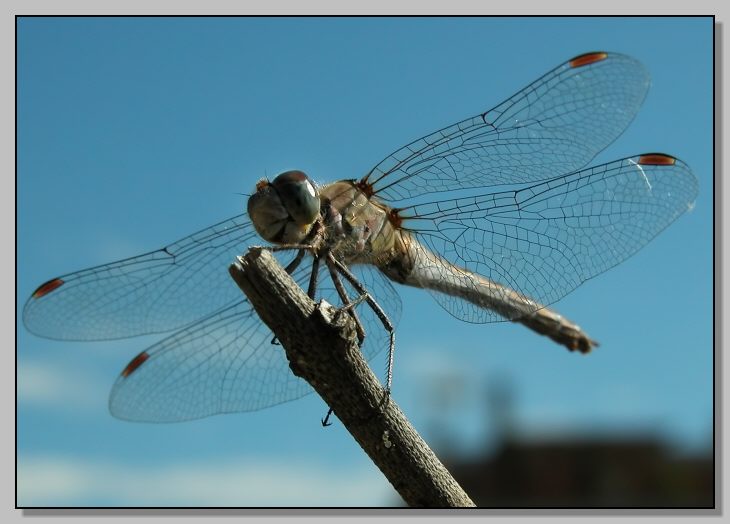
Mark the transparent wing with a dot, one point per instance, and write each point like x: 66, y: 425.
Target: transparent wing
x: 227, y: 363
x: 152, y: 293
x: 555, y: 125
x: 543, y: 240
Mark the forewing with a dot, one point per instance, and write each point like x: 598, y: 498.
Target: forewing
x: 543, y: 240
x: 151, y: 293
x: 555, y: 125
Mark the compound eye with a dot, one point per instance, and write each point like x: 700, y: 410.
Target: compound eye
x: 298, y: 195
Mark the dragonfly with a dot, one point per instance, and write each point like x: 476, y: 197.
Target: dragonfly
x: 497, y: 216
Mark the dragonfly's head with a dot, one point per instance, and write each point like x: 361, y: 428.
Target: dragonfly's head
x: 284, y: 210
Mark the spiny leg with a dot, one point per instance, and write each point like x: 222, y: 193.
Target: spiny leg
x: 312, y: 288
x: 350, y: 308
x: 302, y: 248
x: 364, y: 295
x: 346, y: 304
x: 334, y: 266
x: 285, y: 247
x: 295, y: 263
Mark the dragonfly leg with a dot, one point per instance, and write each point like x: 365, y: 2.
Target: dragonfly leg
x: 326, y: 420
x: 286, y: 247
x: 346, y: 304
x: 302, y: 250
x: 312, y: 288
x: 295, y: 263
x: 365, y: 296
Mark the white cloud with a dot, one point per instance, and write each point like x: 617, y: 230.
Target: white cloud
x: 64, y: 480
x: 50, y: 385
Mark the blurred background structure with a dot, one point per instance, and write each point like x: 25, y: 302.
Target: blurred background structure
x: 574, y: 469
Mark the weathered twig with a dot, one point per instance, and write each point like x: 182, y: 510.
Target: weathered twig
x: 322, y: 349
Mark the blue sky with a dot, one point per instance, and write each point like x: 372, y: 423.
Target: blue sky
x: 135, y: 132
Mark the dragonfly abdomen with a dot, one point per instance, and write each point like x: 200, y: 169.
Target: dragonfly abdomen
x: 418, y: 266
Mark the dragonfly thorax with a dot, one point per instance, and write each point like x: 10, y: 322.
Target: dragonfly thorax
x: 284, y: 210
x: 358, y: 228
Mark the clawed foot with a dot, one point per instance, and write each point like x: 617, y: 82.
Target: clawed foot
x: 349, y: 309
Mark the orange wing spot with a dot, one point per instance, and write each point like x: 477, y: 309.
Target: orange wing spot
x: 587, y: 59
x: 46, y: 288
x: 656, y: 159
x: 135, y: 363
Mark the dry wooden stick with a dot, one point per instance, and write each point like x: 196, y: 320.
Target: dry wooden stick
x: 322, y: 348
